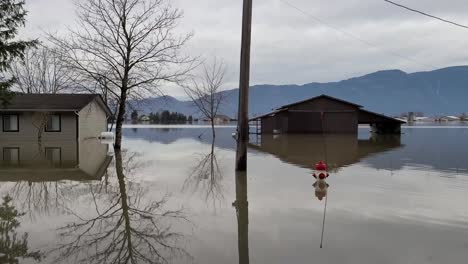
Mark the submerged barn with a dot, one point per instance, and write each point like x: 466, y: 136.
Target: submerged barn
x: 323, y: 114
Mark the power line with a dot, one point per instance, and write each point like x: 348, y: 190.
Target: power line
x: 351, y: 35
x: 426, y: 14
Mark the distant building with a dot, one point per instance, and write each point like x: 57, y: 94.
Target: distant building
x: 54, y: 116
x: 144, y: 118
x: 323, y: 114
x: 219, y: 119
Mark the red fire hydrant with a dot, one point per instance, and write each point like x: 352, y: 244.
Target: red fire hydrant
x: 320, y: 170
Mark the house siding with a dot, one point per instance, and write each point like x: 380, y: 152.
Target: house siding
x: 28, y: 130
x: 92, y: 121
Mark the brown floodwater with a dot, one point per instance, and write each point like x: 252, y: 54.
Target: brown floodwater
x: 172, y: 196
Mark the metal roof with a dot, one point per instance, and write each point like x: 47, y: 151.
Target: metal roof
x: 318, y: 97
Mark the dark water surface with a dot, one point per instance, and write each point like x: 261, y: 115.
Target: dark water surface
x: 171, y: 196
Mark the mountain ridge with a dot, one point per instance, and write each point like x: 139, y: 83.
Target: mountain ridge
x: 391, y: 92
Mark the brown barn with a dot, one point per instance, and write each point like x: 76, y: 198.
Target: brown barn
x: 323, y: 114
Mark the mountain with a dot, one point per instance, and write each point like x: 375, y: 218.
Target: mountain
x: 442, y: 91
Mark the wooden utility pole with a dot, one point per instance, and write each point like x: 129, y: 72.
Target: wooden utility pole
x: 243, y: 110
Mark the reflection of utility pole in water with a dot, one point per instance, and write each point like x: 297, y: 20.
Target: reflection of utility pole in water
x: 242, y: 211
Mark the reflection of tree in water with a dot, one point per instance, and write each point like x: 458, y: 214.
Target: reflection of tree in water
x: 12, y: 245
x: 125, y: 229
x: 43, y: 197
x: 206, y: 176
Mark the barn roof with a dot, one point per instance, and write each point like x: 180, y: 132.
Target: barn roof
x: 319, y: 97
x: 391, y: 119
x: 286, y: 107
x: 53, y: 102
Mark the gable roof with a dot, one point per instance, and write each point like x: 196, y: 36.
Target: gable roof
x: 319, y: 97
x: 285, y: 107
x: 382, y: 116
x: 53, y: 102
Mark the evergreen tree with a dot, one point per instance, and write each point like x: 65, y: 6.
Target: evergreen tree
x: 12, y: 16
x: 12, y: 245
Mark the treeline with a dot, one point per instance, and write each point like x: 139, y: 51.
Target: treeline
x: 166, y: 117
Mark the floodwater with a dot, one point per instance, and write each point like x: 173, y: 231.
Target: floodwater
x: 171, y: 196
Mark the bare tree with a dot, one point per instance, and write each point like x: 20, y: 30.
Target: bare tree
x: 205, y: 91
x: 127, y: 45
x: 42, y: 70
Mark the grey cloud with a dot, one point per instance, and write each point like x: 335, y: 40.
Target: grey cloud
x: 290, y: 47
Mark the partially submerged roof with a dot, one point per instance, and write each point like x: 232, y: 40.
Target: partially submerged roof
x: 53, y: 102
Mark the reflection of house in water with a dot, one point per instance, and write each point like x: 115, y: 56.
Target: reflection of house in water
x: 337, y: 150
x: 53, y: 160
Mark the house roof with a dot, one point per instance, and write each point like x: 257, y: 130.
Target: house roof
x: 53, y: 102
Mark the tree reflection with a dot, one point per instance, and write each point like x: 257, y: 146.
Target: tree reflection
x: 42, y: 197
x: 12, y: 245
x: 206, y: 176
x: 242, y: 211
x: 125, y: 229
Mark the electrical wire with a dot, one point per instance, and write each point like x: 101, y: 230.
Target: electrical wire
x: 353, y: 36
x: 426, y: 14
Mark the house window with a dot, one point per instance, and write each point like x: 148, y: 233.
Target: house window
x: 11, y: 156
x: 54, y: 155
x: 10, y: 123
x: 54, y: 123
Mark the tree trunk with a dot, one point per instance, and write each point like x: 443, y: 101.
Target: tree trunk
x: 120, y: 120
x: 213, y: 132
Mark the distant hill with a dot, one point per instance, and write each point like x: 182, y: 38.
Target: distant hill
x: 443, y: 91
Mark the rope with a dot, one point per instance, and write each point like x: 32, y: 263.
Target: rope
x: 326, y: 162
x: 323, y: 223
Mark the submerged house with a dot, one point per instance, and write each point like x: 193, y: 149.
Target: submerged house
x: 54, y: 117
x: 323, y: 114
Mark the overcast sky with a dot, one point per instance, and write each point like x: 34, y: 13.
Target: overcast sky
x: 289, y: 47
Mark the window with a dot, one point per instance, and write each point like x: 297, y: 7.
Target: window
x: 11, y: 156
x: 54, y: 123
x: 10, y: 123
x: 54, y: 155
